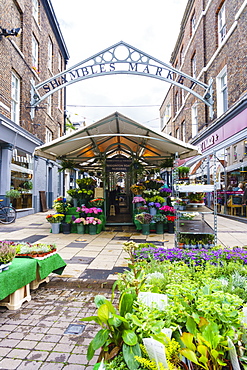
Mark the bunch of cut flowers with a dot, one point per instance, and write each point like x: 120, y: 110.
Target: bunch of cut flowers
x: 167, y: 210
x: 138, y: 200
x: 98, y: 202
x: 57, y: 217
x: 165, y: 191
x: 171, y: 218
x: 92, y: 210
x: 154, y: 204
x: 79, y: 220
x: 137, y: 188
x: 144, y: 218
x: 60, y: 205
x: 93, y: 221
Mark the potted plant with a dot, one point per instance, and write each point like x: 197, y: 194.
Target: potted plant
x: 7, y: 254
x: 60, y: 205
x: 92, y: 223
x: 138, y: 201
x: 145, y: 220
x: 12, y: 194
x: 80, y: 222
x: 55, y: 221
x: 137, y: 189
x: 159, y: 220
x: 97, y: 202
x: 153, y: 206
x: 170, y: 223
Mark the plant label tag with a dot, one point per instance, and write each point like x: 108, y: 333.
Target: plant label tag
x: 156, y: 351
x: 167, y: 332
x: 149, y: 298
x: 244, y: 320
x: 233, y: 355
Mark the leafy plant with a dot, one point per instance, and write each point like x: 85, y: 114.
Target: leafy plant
x: 12, y: 193
x: 115, y: 335
x: 144, y: 218
x: 7, y: 253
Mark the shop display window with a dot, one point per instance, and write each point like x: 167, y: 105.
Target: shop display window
x: 21, y: 179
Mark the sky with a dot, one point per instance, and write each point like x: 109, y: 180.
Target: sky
x: 89, y: 27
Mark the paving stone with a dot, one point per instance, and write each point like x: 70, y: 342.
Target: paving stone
x: 38, y: 355
x: 18, y: 353
x: 62, y: 347
x: 53, y: 366
x: 45, y: 346
x: 78, y: 359
x: 4, y: 351
x: 29, y: 365
x: 16, y: 335
x: 58, y: 357
x: 29, y: 344
x: 9, y: 364
x: 51, y: 338
x: 12, y: 343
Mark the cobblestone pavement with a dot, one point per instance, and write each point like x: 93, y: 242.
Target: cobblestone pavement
x: 33, y: 337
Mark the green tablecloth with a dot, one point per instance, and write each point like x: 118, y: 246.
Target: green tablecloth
x: 20, y: 273
x: 54, y: 263
x: 23, y: 270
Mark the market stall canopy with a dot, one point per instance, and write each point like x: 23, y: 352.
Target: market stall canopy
x: 116, y: 135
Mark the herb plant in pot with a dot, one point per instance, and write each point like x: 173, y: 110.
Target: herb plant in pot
x: 7, y: 254
x: 144, y: 219
x: 159, y: 220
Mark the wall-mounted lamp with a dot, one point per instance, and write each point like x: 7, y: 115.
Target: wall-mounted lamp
x: 14, y: 32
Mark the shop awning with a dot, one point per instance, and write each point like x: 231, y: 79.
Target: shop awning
x: 114, y: 135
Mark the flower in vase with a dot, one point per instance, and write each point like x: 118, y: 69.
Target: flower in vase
x: 93, y: 221
x: 171, y: 218
x: 154, y: 204
x: 144, y: 218
x: 57, y: 217
x: 167, y: 210
x: 80, y: 220
x: 138, y: 200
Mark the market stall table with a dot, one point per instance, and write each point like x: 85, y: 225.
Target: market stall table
x: 23, y: 272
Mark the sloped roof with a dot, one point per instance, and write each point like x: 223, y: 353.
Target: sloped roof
x: 114, y: 135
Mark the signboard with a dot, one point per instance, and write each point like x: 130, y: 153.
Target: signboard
x: 118, y: 164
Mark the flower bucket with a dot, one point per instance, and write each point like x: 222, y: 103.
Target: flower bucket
x: 80, y: 229
x: 66, y: 228
x: 92, y: 229
x: 55, y: 228
x: 145, y: 229
x: 138, y: 204
x: 170, y: 227
x: 152, y: 211
x: 75, y: 202
x: 159, y: 228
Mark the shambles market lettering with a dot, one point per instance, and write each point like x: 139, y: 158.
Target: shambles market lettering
x: 111, y: 68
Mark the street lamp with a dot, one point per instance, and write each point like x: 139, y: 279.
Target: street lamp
x: 14, y: 32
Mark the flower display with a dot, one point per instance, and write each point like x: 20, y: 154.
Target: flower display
x: 138, y: 200
x: 154, y: 184
x: 98, y: 202
x: 170, y: 218
x: 79, y: 220
x: 137, y: 188
x: 55, y: 218
x: 159, y: 218
x: 92, y: 210
x: 7, y: 253
x: 164, y: 191
x: 144, y: 218
x: 142, y: 209
x: 92, y: 221
x: 167, y: 210
x: 154, y: 204
x: 60, y: 205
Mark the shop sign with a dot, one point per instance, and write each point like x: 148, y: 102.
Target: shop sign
x: 209, y: 141
x: 118, y: 164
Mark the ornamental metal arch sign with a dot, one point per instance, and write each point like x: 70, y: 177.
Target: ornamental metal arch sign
x: 120, y: 58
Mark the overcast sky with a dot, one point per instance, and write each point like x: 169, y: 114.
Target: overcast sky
x: 89, y: 27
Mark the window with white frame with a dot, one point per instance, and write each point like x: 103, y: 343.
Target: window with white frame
x: 222, y: 23
x: 15, y: 98
x: 177, y: 133
x: 181, y: 56
x: 222, y: 91
x: 36, y: 10
x: 193, y: 23
x: 176, y: 108
x: 194, y: 120
x: 167, y: 113
x: 35, y: 53
x: 183, y: 131
x: 235, y: 152
x: 50, y: 54
x: 59, y: 63
x: 193, y: 66
x: 48, y: 135
x: 58, y: 130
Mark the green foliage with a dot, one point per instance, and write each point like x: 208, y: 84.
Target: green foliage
x: 116, y: 334
x: 7, y: 253
x: 12, y: 193
x: 67, y: 164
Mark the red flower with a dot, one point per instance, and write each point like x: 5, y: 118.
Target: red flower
x: 171, y: 218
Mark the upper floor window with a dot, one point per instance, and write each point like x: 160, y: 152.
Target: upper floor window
x: 48, y: 135
x: 49, y: 103
x: 177, y: 133
x: 59, y: 62
x: 167, y: 114
x: 222, y: 91
x: 194, y: 120
x: 35, y: 53
x: 183, y: 131
x: 36, y: 10
x: 15, y: 98
x: 193, y: 66
x: 181, y: 56
x: 50, y: 54
x: 193, y: 23
x: 235, y: 152
x: 176, y: 105
x: 222, y: 23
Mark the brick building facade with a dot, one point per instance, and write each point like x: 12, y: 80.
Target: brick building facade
x: 212, y: 45
x: 36, y: 55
